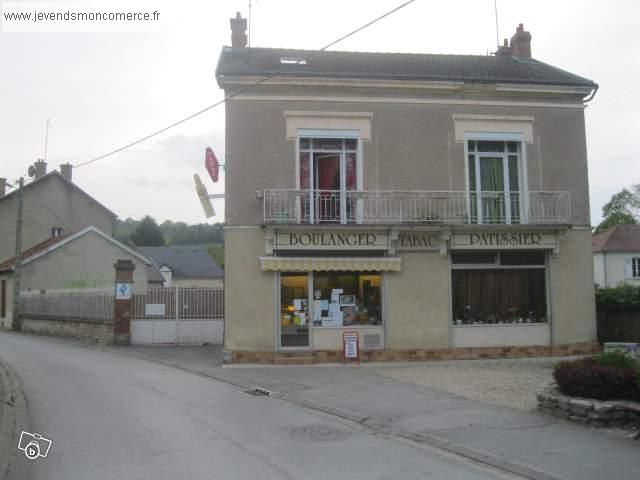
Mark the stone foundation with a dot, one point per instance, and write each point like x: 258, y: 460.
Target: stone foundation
x: 624, y: 414
x: 335, y: 356
x: 88, y: 330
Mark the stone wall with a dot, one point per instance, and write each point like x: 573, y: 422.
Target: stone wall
x: 88, y: 330
x: 618, y: 325
x: 594, y: 413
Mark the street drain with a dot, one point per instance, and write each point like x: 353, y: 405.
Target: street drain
x: 258, y: 392
x: 319, y: 432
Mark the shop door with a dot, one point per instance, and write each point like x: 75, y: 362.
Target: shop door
x: 294, y: 311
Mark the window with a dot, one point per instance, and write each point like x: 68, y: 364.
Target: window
x: 635, y: 267
x: 346, y: 298
x: 57, y: 231
x: 327, y: 299
x: 328, y: 172
x: 510, y: 291
x: 493, y: 169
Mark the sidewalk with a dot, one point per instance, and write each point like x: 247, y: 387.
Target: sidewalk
x: 538, y: 443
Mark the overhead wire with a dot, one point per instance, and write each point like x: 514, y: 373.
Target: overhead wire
x: 246, y: 89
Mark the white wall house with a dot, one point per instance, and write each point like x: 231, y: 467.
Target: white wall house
x: 616, y: 256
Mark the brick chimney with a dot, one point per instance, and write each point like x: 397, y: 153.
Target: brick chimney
x: 40, y: 168
x: 504, y: 50
x: 521, y: 43
x: 3, y: 186
x: 238, y: 31
x: 66, y: 170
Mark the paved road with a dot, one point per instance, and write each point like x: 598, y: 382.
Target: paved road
x: 113, y: 416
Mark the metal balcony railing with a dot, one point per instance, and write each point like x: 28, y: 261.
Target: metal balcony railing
x: 414, y: 207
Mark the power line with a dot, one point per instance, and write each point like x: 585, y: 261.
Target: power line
x: 246, y: 89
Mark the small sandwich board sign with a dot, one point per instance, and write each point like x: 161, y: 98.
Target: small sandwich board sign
x: 350, y: 347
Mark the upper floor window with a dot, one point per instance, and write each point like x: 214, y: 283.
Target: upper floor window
x: 328, y: 171
x: 494, y: 180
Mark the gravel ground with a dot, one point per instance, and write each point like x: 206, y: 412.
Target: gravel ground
x: 510, y: 383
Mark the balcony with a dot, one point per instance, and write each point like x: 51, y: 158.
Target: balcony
x: 380, y: 207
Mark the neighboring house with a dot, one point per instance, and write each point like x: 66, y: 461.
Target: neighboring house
x: 616, y: 256
x: 426, y: 202
x: 185, y: 266
x: 52, y: 206
x: 77, y: 261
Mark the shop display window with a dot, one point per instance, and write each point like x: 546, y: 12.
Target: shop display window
x: 346, y: 299
x: 511, y: 291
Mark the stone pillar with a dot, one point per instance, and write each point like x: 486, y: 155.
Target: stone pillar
x: 122, y: 302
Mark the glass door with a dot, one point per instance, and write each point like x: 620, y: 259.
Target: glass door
x: 494, y: 182
x: 328, y: 170
x: 294, y: 310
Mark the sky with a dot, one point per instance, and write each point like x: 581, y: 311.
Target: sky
x: 103, y: 90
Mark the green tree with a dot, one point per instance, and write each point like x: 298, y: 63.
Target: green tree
x: 147, y: 234
x: 623, y: 208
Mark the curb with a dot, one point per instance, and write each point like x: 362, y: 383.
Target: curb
x: 15, y: 418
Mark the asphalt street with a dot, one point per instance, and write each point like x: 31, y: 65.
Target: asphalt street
x: 113, y: 416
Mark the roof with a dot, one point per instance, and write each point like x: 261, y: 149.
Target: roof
x: 56, y: 174
x: 185, y: 261
x: 394, y: 66
x: 51, y: 244
x: 621, y: 238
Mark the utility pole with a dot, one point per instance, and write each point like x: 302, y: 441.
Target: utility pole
x: 16, y: 324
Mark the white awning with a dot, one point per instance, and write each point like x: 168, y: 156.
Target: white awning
x: 319, y: 264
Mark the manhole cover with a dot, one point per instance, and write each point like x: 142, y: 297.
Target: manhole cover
x: 319, y: 432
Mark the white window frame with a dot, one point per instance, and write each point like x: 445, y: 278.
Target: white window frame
x: 634, y: 272
x: 337, y: 134
x: 523, y: 181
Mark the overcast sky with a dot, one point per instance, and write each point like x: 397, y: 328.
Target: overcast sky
x: 103, y: 90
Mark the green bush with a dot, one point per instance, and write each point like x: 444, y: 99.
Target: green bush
x: 617, y: 359
x: 623, y: 296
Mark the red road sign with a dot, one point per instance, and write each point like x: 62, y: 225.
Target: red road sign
x: 212, y: 164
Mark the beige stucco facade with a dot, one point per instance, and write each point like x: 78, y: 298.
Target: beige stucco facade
x: 611, y: 268
x: 410, y: 139
x: 51, y: 203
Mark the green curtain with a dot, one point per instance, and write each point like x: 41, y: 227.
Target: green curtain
x: 492, y: 180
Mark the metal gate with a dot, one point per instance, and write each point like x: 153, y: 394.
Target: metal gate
x: 178, y: 315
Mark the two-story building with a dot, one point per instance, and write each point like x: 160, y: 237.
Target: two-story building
x: 437, y: 205
x: 53, y: 206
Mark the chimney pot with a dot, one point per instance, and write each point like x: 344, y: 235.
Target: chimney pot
x: 504, y: 50
x: 521, y: 43
x: 238, y: 31
x: 66, y: 170
x: 3, y: 186
x: 40, y: 168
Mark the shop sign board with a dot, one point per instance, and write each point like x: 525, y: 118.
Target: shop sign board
x: 330, y: 240
x: 501, y: 240
x: 351, y: 346
x: 418, y: 241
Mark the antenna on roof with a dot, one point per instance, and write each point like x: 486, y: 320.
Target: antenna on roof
x: 495, y: 8
x: 46, y: 140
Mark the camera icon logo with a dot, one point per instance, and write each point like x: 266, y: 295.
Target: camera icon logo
x: 34, y: 445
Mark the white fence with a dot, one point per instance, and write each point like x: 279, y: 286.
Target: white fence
x: 180, y: 315
x: 90, y: 305
x: 414, y: 207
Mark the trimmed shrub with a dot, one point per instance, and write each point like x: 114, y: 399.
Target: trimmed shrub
x: 617, y: 359
x: 620, y: 297
x: 587, y: 377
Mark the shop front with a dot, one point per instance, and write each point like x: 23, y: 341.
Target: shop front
x: 415, y: 292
